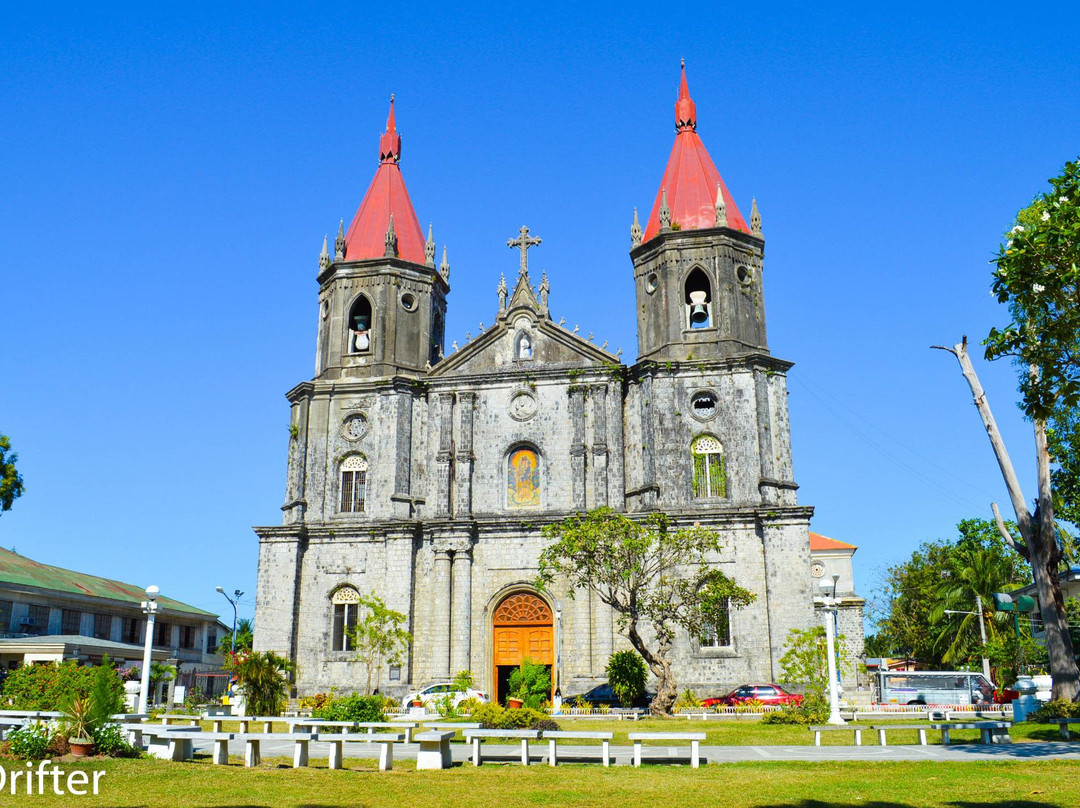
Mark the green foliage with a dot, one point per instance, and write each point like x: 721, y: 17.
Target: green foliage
x: 469, y: 706
x: 463, y: 681
x: 316, y: 702
x: 263, y: 680
x: 647, y: 572
x: 353, y: 708
x: 109, y: 740
x: 161, y: 672
x: 805, y: 661
x: 522, y: 718
x: 78, y: 720
x: 29, y: 742
x: 1058, y: 708
x: 11, y: 482
x: 626, y: 673
x: 1010, y: 655
x: 688, y: 700
x: 46, y: 687
x: 488, y: 715
x: 1063, y: 436
x: 1038, y: 276
x: 379, y: 637
x: 531, y: 683
x: 106, y: 694
x: 245, y: 637
x: 811, y: 711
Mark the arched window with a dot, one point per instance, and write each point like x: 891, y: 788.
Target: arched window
x: 360, y: 326
x: 710, y: 476
x: 718, y: 633
x: 698, y: 300
x: 523, y: 479
x: 353, y: 484
x: 346, y: 602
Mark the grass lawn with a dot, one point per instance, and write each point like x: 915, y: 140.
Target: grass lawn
x: 743, y: 785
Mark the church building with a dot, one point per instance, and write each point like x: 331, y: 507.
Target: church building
x: 424, y: 473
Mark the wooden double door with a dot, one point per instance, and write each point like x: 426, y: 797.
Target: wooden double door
x: 522, y: 628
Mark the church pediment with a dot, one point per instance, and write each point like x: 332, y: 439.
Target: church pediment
x: 523, y: 341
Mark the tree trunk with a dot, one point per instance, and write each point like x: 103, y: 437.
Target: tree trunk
x: 1039, y: 534
x: 666, y: 689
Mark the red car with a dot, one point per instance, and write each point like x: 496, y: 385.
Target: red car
x: 764, y: 693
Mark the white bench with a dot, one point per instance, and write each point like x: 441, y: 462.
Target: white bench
x: 818, y: 729
x: 337, y: 741
x: 695, y: 739
x: 165, y: 742
x: 990, y: 731
x: 1063, y: 725
x: 7, y: 724
x: 193, y: 720
x: 554, y: 735
x: 524, y: 735
x: 399, y: 726
x: 253, y: 746
x: 454, y: 725
x: 881, y: 729
x: 434, y: 752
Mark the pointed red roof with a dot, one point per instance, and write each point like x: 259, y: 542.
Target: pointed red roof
x: 819, y: 542
x: 366, y: 237
x: 690, y: 179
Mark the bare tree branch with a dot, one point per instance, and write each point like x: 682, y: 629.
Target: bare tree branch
x: 1010, y: 540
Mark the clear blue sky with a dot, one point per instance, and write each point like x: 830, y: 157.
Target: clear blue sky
x: 167, y: 175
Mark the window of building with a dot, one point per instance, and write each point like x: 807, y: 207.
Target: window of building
x: 710, y: 476
x: 5, y: 615
x: 163, y: 634
x: 211, y: 641
x: 70, y: 622
x: 187, y: 636
x: 102, y: 626
x: 718, y: 635
x: 129, y: 630
x: 523, y: 479
x: 353, y: 484
x: 698, y: 300
x: 346, y: 603
x: 37, y: 621
x: 360, y: 326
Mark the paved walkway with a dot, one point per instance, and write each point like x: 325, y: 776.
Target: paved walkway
x: 623, y: 755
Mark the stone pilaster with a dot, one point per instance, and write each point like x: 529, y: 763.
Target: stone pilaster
x: 295, y: 486
x: 577, y: 446
x: 767, y: 486
x: 599, y: 395
x: 464, y: 464
x: 440, y: 625
x: 444, y: 458
x: 461, y: 615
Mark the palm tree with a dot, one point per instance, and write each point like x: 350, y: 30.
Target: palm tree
x: 263, y: 679
x: 245, y: 637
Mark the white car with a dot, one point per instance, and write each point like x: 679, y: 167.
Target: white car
x: 431, y: 695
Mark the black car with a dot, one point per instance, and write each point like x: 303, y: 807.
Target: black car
x: 605, y: 694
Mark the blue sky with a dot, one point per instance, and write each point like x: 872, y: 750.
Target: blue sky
x: 168, y: 174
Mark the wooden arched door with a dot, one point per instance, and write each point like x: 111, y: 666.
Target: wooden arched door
x: 522, y: 628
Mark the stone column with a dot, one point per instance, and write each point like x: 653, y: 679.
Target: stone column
x: 461, y: 614
x: 577, y: 447
x: 649, y: 446
x: 767, y: 484
x: 599, y: 445
x: 443, y: 460
x: 440, y: 623
x: 295, y: 488
x: 463, y: 492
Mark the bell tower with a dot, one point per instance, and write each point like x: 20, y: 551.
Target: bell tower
x: 697, y: 265
x: 382, y: 301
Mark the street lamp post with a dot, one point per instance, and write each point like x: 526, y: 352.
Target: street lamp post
x: 149, y: 607
x: 233, y: 600
x: 828, y: 598
x: 982, y: 632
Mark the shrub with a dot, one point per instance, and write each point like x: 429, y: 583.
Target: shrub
x: 688, y: 701
x: 316, y: 702
x: 582, y: 703
x: 30, y: 742
x: 463, y: 680
x: 46, y: 687
x: 106, y: 693
x: 545, y: 725
x: 353, y: 708
x: 58, y: 746
x: 626, y: 672
x: 469, y: 706
x: 1058, y: 708
x: 109, y: 740
x: 531, y: 683
x: 522, y: 718
x: 749, y: 706
x: 488, y: 715
x: 445, y: 706
x: 263, y: 679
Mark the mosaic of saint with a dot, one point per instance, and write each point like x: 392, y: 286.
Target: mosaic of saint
x: 523, y: 479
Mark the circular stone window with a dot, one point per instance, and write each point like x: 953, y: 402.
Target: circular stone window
x: 354, y: 426
x: 817, y: 569
x: 408, y: 301
x: 745, y: 275
x: 703, y: 405
x: 651, y: 283
x: 324, y: 309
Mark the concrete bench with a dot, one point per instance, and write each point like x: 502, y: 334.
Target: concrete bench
x: 524, y: 735
x: 555, y: 735
x: 193, y: 720
x: 695, y: 739
x: 883, y: 728
x: 1063, y: 725
x: 337, y: 741
x: 434, y: 752
x: 41, y: 714
x: 454, y: 725
x: 7, y: 724
x: 399, y: 726
x: 818, y: 729
x: 163, y: 741
x: 990, y: 731
x: 253, y: 746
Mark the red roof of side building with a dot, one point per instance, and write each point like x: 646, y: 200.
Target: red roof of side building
x: 690, y: 179
x: 819, y: 542
x: 386, y: 196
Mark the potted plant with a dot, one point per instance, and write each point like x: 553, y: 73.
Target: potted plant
x: 79, y: 724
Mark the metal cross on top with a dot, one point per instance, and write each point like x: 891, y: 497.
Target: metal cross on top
x: 523, y: 242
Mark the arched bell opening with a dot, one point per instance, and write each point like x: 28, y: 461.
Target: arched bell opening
x: 698, y: 300
x: 360, y: 319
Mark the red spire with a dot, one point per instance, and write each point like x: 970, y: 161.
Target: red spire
x: 386, y: 197
x: 691, y: 178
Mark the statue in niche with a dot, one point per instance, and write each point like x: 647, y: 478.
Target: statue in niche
x: 525, y: 350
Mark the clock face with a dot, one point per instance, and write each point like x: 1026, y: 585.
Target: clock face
x: 817, y: 569
x: 354, y: 426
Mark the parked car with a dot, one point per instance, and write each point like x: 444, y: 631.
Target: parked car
x: 605, y: 694
x: 765, y: 693
x: 432, y: 694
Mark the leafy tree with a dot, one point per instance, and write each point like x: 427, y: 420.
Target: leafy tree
x: 106, y: 693
x: 652, y: 575
x: 160, y: 672
x: 11, y: 482
x: 245, y: 637
x: 531, y: 683
x: 263, y: 679
x: 463, y: 681
x: 379, y: 637
x: 626, y: 673
x: 1038, y: 275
